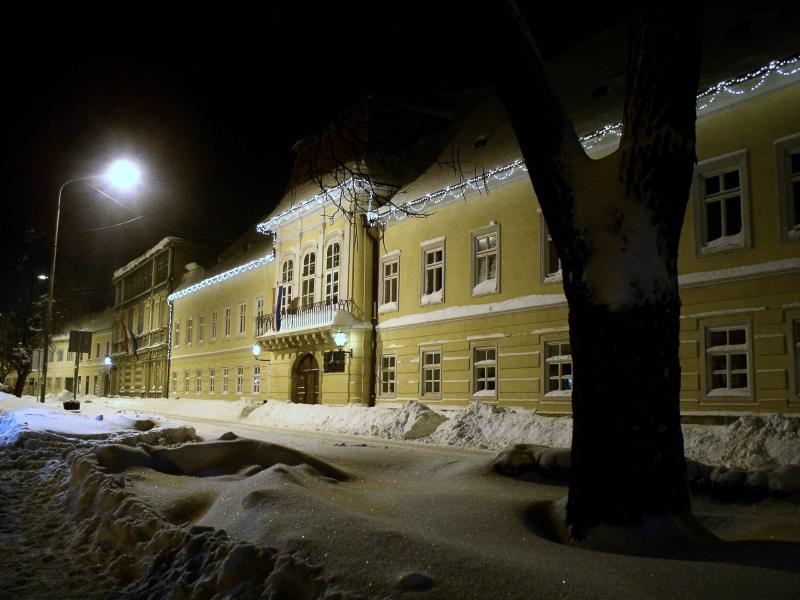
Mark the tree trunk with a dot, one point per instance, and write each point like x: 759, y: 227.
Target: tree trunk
x: 22, y: 378
x: 616, y: 224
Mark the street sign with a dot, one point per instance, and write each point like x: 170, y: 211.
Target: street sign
x: 80, y: 341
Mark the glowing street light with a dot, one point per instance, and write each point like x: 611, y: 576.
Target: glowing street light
x: 257, y: 352
x: 42, y: 277
x: 123, y: 174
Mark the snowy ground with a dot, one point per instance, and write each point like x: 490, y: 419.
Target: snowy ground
x: 325, y: 514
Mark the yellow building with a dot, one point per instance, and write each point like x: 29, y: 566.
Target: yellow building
x: 140, y: 330
x: 466, y: 302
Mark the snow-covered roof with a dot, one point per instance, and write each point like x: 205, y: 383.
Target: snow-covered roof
x: 149, y: 254
x: 94, y: 322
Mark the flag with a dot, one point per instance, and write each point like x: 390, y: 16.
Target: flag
x: 278, y: 309
x: 130, y: 339
x: 123, y: 337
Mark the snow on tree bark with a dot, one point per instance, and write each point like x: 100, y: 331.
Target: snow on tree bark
x: 616, y: 224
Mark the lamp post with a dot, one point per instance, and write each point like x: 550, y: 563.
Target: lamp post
x: 122, y: 173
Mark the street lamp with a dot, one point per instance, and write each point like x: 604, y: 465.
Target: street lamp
x: 340, y: 339
x: 257, y: 353
x: 123, y: 174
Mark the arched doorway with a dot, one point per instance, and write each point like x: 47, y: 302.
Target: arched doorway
x: 305, y: 380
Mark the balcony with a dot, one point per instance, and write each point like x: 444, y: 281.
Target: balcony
x: 305, y: 326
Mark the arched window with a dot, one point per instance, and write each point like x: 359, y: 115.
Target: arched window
x: 332, y: 254
x: 287, y: 279
x: 309, y: 269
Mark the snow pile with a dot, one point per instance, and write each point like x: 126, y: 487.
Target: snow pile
x: 412, y: 421
x: 749, y: 443
x: 483, y: 425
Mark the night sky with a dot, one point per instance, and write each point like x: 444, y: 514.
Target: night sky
x: 209, y: 101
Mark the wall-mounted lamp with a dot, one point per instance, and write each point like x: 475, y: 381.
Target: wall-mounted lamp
x: 340, y: 339
x: 107, y: 361
x: 257, y: 353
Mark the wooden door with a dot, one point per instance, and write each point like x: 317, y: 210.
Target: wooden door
x: 307, y: 380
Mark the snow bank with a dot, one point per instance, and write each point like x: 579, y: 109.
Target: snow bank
x: 412, y: 421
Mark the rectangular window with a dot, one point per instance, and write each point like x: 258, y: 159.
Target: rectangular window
x: 224, y: 380
x: 788, y: 170
x: 214, y: 325
x: 390, y: 272
x: 176, y: 338
x: 108, y: 349
x: 486, y: 261
x: 201, y: 326
x: 174, y: 382
x: 558, y: 367
x: 432, y: 275
x: 226, y: 321
x: 332, y: 259
x: 198, y: 381
x: 721, y: 203
x: 727, y: 361
x: 140, y: 319
x: 388, y: 374
x: 308, y: 278
x: 97, y: 352
x: 484, y: 371
x: 239, y: 380
x: 287, y: 277
x: 260, y: 315
x: 60, y: 355
x: 70, y: 356
x: 212, y: 385
x: 186, y: 381
x: 257, y: 379
x: 189, y: 327
x: 432, y: 373
x: 242, y: 318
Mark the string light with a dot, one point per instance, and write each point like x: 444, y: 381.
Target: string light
x: 230, y: 273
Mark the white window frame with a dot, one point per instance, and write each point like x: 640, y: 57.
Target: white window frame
x: 189, y: 330
x: 717, y: 166
x: 214, y: 315
x: 198, y: 381
x: 240, y: 380
x: 225, y: 379
x: 287, y: 283
x: 242, y: 327
x: 260, y: 326
x: 186, y: 379
x: 176, y: 336
x: 790, y: 222
x: 487, y: 286
x: 389, y: 304
x: 174, y: 382
x: 332, y: 270
x: 564, y: 375
x: 257, y: 379
x: 709, y: 352
x: 429, y: 296
x: 432, y: 367
x: 201, y: 325
x: 212, y: 384
x: 308, y: 276
x: 227, y: 314
x: 387, y: 381
x: 485, y: 376
x: 547, y: 250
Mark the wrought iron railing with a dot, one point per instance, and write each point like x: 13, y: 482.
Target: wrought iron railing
x: 318, y: 314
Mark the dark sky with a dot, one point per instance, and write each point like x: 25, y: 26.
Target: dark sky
x: 209, y: 99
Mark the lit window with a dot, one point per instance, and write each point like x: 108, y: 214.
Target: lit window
x: 309, y: 269
x: 558, y: 365
x: 485, y: 261
x: 720, y: 195
x: 484, y: 371
x: 257, y: 379
x: 388, y: 374
x: 727, y: 362
x: 788, y: 170
x: 431, y: 373
x: 239, y: 380
x: 332, y: 272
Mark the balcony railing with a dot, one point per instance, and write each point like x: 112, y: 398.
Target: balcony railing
x: 143, y: 340
x: 314, y: 315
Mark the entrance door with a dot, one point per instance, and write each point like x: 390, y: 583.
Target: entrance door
x: 306, y: 380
